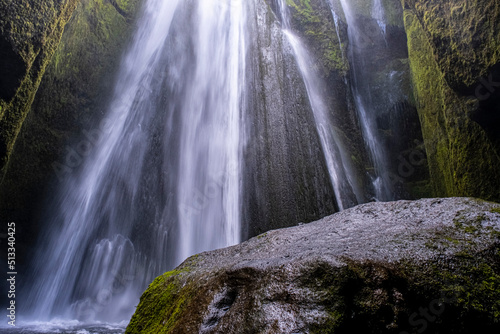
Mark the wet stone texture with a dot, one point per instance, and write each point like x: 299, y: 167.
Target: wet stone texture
x: 430, y: 265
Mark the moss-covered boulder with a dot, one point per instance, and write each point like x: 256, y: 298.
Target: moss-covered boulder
x: 398, y: 267
x: 30, y: 31
x: 454, y: 56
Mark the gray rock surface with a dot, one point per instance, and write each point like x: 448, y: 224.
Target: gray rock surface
x: 375, y: 268
x: 286, y: 178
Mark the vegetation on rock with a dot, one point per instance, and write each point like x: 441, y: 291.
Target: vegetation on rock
x: 314, y: 19
x: 462, y: 153
x: 394, y: 267
x: 69, y: 102
x: 30, y: 32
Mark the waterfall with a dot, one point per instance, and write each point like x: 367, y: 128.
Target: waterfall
x: 336, y: 20
x: 210, y: 141
x: 166, y: 173
x: 163, y: 180
x: 361, y: 53
x: 336, y: 155
x: 379, y: 15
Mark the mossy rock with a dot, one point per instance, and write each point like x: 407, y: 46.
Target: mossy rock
x: 399, y: 267
x: 29, y: 35
x: 463, y: 153
x: 74, y: 90
x: 464, y: 37
x: 314, y: 21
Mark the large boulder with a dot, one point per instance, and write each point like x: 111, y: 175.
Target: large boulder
x: 398, y: 267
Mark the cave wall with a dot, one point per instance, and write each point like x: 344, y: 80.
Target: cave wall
x: 286, y: 178
x: 454, y: 50
x: 453, y: 57
x: 30, y: 31
x: 380, y: 71
x: 69, y: 103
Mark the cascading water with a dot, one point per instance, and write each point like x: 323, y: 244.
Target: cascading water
x: 360, y: 55
x: 336, y: 155
x: 165, y: 176
x: 210, y: 142
x: 379, y: 15
x: 163, y: 181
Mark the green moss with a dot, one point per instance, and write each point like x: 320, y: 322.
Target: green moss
x: 329, y: 326
x: 190, y: 262
x: 161, y: 305
x: 383, y: 296
x: 127, y: 6
x: 33, y: 30
x: 261, y: 236
x: 462, y: 161
x: 314, y: 19
x: 75, y: 87
x: 165, y: 301
x: 474, y: 288
x: 469, y: 227
x: 469, y: 287
x: 465, y: 37
x: 329, y: 284
x: 356, y: 297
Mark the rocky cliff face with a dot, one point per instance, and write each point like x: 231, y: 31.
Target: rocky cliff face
x: 397, y: 267
x: 282, y: 132
x: 380, y: 79
x: 454, y: 56
x: 30, y: 33
x: 287, y: 176
x: 70, y: 101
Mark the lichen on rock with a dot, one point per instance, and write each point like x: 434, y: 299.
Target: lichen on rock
x: 447, y: 55
x: 29, y: 34
x: 378, y: 268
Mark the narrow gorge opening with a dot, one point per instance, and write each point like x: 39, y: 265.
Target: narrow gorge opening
x: 228, y: 118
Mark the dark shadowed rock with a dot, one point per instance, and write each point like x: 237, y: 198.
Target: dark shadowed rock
x: 29, y: 34
x: 454, y: 54
x: 77, y: 83
x: 400, y: 267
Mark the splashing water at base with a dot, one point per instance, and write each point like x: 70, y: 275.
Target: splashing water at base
x: 65, y: 326
x: 172, y: 132
x: 164, y: 179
